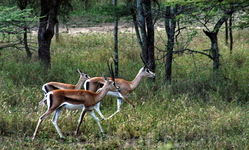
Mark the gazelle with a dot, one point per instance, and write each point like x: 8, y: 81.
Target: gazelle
x: 75, y: 99
x: 126, y: 87
x: 50, y: 86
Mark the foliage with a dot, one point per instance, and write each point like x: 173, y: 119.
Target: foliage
x: 12, y: 24
x: 207, y: 12
x: 192, y: 113
x: 12, y: 18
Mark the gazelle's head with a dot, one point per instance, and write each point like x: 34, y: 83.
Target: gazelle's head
x: 146, y: 72
x: 83, y: 76
x: 111, y: 84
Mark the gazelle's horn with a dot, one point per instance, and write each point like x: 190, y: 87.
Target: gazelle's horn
x: 145, y: 64
x: 111, y: 71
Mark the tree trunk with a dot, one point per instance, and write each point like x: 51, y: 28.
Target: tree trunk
x: 214, y: 39
x: 226, y: 33
x: 170, y: 25
x: 25, y: 41
x: 214, y: 48
x: 57, y: 30
x: 150, y: 36
x: 231, y: 34
x: 141, y: 25
x: 23, y: 5
x: 46, y: 31
x: 146, y: 35
x: 115, y: 40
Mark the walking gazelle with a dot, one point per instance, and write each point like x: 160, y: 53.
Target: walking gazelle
x: 75, y: 99
x: 126, y: 87
x: 50, y: 86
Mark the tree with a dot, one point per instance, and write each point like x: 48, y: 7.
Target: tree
x: 115, y: 38
x: 117, y: 11
x: 144, y: 27
x: 48, y: 20
x: 13, y: 24
x: 22, y: 4
x: 170, y: 27
x: 229, y: 33
x: 209, y: 14
x: 225, y: 9
x: 173, y: 16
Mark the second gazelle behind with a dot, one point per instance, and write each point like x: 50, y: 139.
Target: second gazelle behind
x: 95, y: 84
x: 50, y: 86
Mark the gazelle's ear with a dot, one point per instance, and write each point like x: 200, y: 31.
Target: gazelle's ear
x: 105, y: 78
x: 79, y: 71
x: 83, y: 74
x: 87, y: 76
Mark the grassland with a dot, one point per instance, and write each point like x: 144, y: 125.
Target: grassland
x: 195, y: 112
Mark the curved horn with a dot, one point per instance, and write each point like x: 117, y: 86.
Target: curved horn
x: 111, y: 71
x: 145, y: 64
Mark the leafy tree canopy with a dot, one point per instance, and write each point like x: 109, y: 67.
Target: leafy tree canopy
x: 12, y: 19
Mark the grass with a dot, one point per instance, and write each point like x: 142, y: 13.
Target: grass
x: 192, y: 113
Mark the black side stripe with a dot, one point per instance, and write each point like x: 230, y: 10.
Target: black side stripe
x: 46, y: 89
x: 50, y: 100
x: 87, y: 86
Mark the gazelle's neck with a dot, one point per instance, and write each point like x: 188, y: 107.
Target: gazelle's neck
x: 135, y: 83
x: 80, y: 83
x: 102, y: 93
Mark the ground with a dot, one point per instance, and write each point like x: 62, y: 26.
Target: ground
x: 102, y: 27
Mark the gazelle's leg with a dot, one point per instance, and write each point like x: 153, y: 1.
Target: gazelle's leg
x: 48, y: 112
x: 97, y: 119
x: 97, y: 108
x: 128, y: 101
x: 82, y: 114
x: 119, y: 102
x: 54, y: 121
x: 43, y: 100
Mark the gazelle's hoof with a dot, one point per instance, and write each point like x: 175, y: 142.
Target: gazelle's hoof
x: 75, y: 133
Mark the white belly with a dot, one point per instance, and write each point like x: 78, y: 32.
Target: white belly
x: 75, y: 107
x: 114, y: 94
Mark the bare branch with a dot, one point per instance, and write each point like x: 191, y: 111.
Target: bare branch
x: 193, y: 51
x: 9, y: 45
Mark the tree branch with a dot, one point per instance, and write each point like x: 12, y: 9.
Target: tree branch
x: 193, y: 51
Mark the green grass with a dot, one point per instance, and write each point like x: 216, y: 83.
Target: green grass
x: 192, y: 113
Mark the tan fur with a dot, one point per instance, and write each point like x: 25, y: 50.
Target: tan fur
x: 126, y: 87
x: 73, y: 98
x: 50, y: 86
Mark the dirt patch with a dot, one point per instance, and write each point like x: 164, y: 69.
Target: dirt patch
x: 103, y: 27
